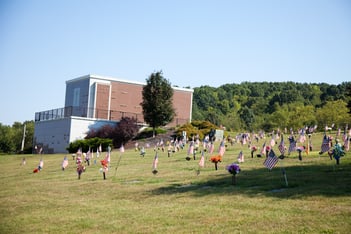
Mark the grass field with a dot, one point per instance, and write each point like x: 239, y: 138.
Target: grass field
x: 176, y: 199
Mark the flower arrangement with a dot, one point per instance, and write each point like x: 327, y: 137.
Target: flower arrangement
x: 216, y: 159
x: 104, y: 169
x: 253, y: 149
x: 233, y: 168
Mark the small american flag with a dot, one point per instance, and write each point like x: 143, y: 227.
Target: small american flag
x: 263, y: 150
x: 292, y: 146
x: 41, y: 164
x: 221, y: 149
x: 155, y: 162
x: 271, y: 160
x: 108, y: 157
x: 272, y: 143
x: 325, y: 144
x: 64, y: 163
x: 191, y: 148
x: 241, y: 157
x: 281, y: 146
x: 202, y: 160
x: 347, y: 144
x: 121, y: 149
x: 211, y: 148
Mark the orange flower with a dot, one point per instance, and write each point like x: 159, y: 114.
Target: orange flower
x: 216, y: 159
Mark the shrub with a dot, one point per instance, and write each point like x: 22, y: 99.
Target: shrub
x: 196, y: 127
x: 93, y: 143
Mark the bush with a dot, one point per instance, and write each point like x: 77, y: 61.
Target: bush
x: 202, y: 128
x: 92, y: 143
x: 125, y: 130
x: 121, y: 133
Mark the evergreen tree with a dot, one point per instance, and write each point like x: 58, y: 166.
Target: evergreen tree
x: 157, y: 101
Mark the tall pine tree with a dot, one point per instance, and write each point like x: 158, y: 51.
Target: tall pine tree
x: 157, y: 101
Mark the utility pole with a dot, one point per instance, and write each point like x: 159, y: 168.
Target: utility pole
x: 24, y: 137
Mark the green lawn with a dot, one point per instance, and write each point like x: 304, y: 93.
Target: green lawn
x: 176, y: 199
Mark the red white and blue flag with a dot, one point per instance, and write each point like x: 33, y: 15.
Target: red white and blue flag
x: 191, y: 148
x: 108, y: 157
x: 292, y: 146
x: 202, y: 160
x: 211, y: 149
x: 325, y: 144
x: 281, y: 146
x: 263, y: 150
x: 121, y: 149
x: 155, y: 162
x: 271, y: 160
x: 221, y: 149
x: 241, y: 157
x: 347, y: 143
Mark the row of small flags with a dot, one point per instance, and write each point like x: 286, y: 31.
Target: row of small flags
x: 270, y: 162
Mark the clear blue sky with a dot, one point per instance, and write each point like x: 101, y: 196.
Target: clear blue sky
x: 194, y: 42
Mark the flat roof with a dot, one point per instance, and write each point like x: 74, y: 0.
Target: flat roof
x: 108, y: 78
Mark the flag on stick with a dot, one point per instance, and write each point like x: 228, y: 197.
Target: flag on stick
x: 121, y: 150
x: 64, y: 163
x: 271, y: 160
x: 325, y: 144
x: 202, y: 160
x: 292, y: 146
x: 263, y: 150
x: 281, y: 146
x: 154, y: 164
x: 221, y: 149
x: 347, y: 144
x: 241, y: 157
x: 191, y: 148
x: 284, y: 173
x: 211, y: 149
x: 272, y: 143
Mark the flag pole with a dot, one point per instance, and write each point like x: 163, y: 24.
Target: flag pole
x: 202, y: 160
x: 120, y: 157
x: 284, y: 172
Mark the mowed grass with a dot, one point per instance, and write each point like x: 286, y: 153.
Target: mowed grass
x: 176, y: 199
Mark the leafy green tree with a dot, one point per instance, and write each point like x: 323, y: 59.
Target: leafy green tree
x: 6, y: 143
x: 279, y: 118
x: 333, y: 112
x: 300, y: 115
x: 248, y: 117
x: 157, y: 101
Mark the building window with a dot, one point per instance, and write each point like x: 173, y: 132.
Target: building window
x: 76, y: 94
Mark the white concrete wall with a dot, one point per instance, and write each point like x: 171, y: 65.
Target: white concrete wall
x: 55, y: 135
x: 52, y: 135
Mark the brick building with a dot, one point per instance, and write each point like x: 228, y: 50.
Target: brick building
x: 92, y: 101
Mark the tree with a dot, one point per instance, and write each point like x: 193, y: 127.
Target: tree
x: 247, y: 117
x: 157, y: 101
x: 333, y: 112
x: 6, y: 143
x: 125, y: 130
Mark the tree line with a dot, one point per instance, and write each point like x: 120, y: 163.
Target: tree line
x: 247, y: 106
x: 17, y: 138
x: 269, y: 105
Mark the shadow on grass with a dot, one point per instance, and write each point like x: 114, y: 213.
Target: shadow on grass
x: 303, y: 180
